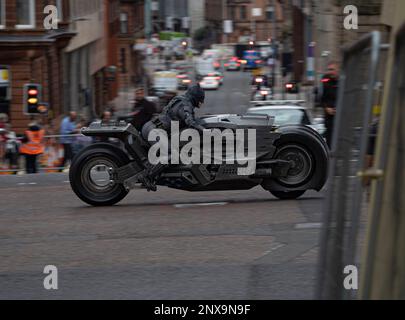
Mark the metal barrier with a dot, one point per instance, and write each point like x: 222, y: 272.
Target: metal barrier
x: 382, y: 272
x: 50, y: 161
x: 360, y: 87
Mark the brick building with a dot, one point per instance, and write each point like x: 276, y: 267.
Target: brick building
x: 29, y: 53
x: 328, y: 30
x: 90, y: 61
x: 132, y: 27
x: 252, y: 19
x: 83, y: 65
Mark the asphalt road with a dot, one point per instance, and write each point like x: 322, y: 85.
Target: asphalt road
x: 165, y: 245
x: 232, y: 97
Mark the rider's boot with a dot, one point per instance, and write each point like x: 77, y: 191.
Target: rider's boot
x: 149, y: 176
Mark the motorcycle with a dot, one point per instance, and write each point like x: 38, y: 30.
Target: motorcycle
x: 262, y: 94
x: 289, y: 161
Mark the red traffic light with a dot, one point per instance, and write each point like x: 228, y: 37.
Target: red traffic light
x: 33, y: 92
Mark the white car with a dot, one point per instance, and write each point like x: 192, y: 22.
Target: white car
x: 290, y: 114
x: 210, y: 83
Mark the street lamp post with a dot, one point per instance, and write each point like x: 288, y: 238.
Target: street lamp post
x: 148, y: 19
x: 224, y: 17
x: 274, y: 45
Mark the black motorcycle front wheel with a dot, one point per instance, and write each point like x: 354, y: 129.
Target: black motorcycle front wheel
x: 90, y: 178
x: 288, y: 195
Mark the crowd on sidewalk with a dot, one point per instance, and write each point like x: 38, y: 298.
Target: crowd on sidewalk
x: 51, y: 146
x: 41, y: 145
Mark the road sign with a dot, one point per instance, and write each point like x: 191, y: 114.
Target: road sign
x: 228, y: 26
x: 257, y: 12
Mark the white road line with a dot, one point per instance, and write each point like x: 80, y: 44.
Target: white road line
x: 27, y: 183
x: 208, y: 204
x: 310, y: 225
x: 271, y: 250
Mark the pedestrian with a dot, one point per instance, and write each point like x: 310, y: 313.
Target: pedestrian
x: 143, y: 109
x: 4, y: 121
x: 68, y: 128
x: 106, y: 117
x: 32, y: 146
x: 3, y: 131
x: 112, y: 108
x: 330, y: 83
x: 81, y: 141
x: 12, y: 151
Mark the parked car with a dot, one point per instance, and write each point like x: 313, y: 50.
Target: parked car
x: 218, y: 75
x: 184, y: 81
x: 288, y: 114
x: 233, y: 65
x: 210, y: 83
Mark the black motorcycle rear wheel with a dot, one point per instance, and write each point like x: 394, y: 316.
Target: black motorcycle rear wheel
x: 303, y: 165
x: 300, y: 172
x: 89, y: 176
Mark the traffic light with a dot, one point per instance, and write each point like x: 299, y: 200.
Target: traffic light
x: 32, y: 98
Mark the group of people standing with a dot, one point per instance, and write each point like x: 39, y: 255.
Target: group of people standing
x: 35, y: 141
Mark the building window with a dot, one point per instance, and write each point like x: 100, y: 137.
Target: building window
x: 123, y: 60
x: 269, y: 13
x: 25, y: 14
x: 124, y: 23
x: 2, y: 14
x: 232, y: 13
x: 243, y: 13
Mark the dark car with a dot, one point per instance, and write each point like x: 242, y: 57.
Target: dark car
x: 289, y: 115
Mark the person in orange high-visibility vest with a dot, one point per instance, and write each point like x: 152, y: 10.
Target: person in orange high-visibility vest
x: 33, y: 145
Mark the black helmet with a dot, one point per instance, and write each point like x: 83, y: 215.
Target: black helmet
x: 196, y: 95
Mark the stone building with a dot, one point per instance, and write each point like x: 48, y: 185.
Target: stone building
x: 251, y: 19
x: 31, y: 54
x: 82, y: 65
x: 328, y: 32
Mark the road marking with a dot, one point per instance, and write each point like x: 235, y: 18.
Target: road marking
x: 310, y: 225
x: 27, y: 183
x: 208, y: 204
x: 271, y: 250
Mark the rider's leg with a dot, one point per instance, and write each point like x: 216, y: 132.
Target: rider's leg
x: 151, y: 174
